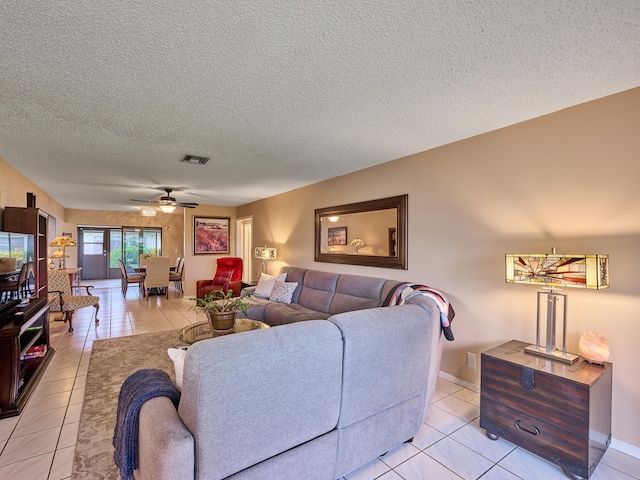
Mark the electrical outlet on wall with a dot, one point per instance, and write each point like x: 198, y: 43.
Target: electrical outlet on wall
x: 471, y: 359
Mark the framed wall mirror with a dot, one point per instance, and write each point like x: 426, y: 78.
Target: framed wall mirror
x: 371, y: 233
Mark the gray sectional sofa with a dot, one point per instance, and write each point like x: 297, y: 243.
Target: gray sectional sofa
x: 309, y: 399
x: 320, y: 295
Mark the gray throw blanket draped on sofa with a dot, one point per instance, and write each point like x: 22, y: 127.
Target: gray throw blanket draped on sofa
x: 139, y: 387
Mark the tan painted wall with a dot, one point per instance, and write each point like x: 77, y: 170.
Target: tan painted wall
x: 569, y: 180
x: 201, y: 267
x: 13, y: 193
x: 172, y: 227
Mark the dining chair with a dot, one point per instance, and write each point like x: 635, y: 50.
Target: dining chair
x: 128, y: 277
x: 60, y: 284
x: 176, y: 277
x: 157, y: 274
x: 16, y: 285
x: 175, y: 268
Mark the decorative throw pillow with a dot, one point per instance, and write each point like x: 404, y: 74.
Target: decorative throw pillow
x: 266, y: 282
x: 283, y: 291
x: 222, y: 276
x: 177, y: 354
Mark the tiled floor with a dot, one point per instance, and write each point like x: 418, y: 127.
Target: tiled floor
x: 39, y: 444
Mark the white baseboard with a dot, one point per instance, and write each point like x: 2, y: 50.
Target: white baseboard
x: 619, y: 445
x: 626, y: 448
x: 459, y: 381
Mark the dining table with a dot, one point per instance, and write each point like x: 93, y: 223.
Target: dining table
x: 5, y: 275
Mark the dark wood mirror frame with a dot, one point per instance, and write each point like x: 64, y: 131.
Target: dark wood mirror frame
x: 399, y: 261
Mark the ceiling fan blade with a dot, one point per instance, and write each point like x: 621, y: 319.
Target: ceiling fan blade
x: 187, y: 205
x: 143, y: 201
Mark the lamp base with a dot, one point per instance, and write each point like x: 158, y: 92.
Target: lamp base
x: 553, y: 355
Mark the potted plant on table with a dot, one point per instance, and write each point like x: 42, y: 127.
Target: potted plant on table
x: 221, y: 307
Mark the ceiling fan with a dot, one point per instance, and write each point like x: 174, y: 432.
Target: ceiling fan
x: 167, y: 203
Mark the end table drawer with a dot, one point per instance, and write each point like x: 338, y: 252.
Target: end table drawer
x: 514, y: 423
x: 565, y: 404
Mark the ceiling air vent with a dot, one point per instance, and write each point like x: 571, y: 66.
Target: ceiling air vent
x: 195, y: 159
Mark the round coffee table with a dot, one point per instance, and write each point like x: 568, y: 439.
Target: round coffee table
x: 202, y: 331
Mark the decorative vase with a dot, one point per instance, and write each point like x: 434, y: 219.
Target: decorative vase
x: 221, y: 320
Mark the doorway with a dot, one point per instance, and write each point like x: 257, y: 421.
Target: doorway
x: 94, y: 252
x: 100, y: 249
x: 244, y: 240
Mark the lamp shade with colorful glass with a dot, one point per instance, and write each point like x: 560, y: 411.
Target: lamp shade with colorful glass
x: 62, y: 241
x: 551, y: 272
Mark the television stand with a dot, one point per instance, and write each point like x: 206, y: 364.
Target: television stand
x: 24, y: 352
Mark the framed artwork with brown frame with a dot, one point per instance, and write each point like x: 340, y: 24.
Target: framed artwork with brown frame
x: 210, y: 235
x: 337, y: 236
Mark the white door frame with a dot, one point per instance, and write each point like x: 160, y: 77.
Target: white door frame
x: 244, y: 241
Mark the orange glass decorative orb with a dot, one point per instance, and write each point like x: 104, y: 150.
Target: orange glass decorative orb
x: 594, y: 347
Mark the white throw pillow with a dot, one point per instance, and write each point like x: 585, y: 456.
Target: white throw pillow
x: 177, y: 354
x: 266, y: 283
x: 283, y: 292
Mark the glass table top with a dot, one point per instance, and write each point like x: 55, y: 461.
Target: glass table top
x: 203, y: 330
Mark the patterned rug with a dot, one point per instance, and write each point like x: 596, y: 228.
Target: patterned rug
x: 111, y: 362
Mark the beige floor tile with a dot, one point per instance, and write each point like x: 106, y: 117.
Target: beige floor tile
x: 36, y: 468
x: 68, y: 435
x: 39, y: 421
x: 32, y: 445
x: 62, y: 464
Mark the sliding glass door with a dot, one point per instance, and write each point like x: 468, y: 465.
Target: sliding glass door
x: 137, y: 241
x: 101, y: 249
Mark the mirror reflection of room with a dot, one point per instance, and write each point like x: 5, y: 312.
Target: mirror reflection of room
x: 363, y: 233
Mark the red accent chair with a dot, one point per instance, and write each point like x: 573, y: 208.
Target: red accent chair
x: 228, y: 277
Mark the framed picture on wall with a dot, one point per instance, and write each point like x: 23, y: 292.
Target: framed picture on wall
x: 210, y: 235
x: 337, y: 236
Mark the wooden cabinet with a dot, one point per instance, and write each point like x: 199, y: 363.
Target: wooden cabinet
x: 32, y: 221
x: 558, y: 411
x: 24, y: 353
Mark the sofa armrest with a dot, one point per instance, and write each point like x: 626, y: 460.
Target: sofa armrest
x: 166, y: 447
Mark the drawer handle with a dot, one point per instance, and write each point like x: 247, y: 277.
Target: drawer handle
x: 533, y: 430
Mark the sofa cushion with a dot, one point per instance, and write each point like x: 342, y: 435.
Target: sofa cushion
x: 177, y: 354
x: 252, y: 395
x: 317, y: 290
x: 356, y: 292
x: 283, y: 292
x: 266, y: 283
x: 295, y: 274
x: 382, y: 343
x: 281, y: 314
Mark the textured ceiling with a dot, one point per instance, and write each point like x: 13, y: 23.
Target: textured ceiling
x: 100, y: 100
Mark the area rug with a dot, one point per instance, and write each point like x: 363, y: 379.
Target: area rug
x: 111, y: 362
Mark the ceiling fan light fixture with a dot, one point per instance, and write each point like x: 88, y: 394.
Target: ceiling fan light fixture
x: 167, y: 208
x: 194, y: 159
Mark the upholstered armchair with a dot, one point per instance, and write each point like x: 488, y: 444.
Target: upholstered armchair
x: 60, y: 285
x: 228, y: 276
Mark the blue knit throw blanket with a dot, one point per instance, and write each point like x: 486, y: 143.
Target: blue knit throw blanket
x: 139, y: 387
